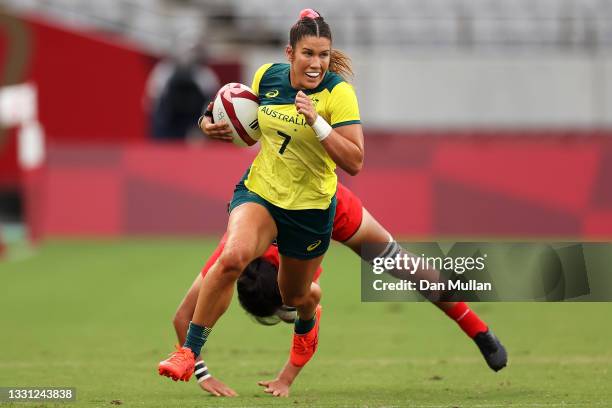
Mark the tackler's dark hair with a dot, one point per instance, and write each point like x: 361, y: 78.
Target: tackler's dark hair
x: 258, y: 291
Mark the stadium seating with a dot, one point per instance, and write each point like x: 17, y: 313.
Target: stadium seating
x: 484, y: 25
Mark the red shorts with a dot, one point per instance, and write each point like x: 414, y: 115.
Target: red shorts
x: 349, y: 212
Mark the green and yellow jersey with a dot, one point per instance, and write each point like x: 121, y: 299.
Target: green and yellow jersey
x: 292, y: 170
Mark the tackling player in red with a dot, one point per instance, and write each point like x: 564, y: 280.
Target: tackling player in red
x: 259, y: 294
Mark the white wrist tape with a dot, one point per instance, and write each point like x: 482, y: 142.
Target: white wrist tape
x: 201, y: 371
x: 204, y: 378
x: 322, y: 128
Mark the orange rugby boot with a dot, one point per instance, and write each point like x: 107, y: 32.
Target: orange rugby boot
x: 305, y: 345
x: 179, y: 366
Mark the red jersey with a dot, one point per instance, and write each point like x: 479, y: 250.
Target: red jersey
x: 349, y: 212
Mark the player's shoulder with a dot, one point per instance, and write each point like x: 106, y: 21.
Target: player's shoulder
x: 271, y: 72
x: 275, y: 69
x: 343, y: 91
x: 331, y: 81
x: 267, y: 73
x: 274, y: 87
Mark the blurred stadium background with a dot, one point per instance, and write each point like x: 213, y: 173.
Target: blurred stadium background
x: 483, y: 119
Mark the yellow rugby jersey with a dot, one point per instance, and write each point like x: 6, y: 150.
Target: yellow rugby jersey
x: 292, y: 170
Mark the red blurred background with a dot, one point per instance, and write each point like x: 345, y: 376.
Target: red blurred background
x: 104, y: 177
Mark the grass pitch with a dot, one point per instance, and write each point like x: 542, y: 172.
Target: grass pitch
x: 96, y: 315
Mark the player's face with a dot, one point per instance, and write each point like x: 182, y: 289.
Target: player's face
x: 309, y: 61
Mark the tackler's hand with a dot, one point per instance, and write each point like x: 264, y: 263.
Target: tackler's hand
x: 217, y: 388
x: 276, y: 387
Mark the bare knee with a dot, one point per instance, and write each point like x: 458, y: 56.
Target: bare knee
x: 232, y: 262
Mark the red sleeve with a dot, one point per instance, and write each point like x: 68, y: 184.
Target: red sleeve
x: 271, y: 255
x: 215, y: 255
x: 349, y: 213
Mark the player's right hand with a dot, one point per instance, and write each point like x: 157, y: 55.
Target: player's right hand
x: 217, y: 388
x: 218, y: 131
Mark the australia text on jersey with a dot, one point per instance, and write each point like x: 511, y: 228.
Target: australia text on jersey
x: 297, y: 119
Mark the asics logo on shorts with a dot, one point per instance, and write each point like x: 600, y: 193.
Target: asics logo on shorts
x: 272, y: 94
x: 313, y: 246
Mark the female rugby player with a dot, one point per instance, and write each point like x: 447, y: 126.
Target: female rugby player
x: 259, y: 295
x: 309, y: 120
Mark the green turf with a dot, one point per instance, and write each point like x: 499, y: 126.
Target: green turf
x: 96, y: 315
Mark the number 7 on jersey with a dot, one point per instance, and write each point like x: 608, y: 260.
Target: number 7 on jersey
x: 285, y: 143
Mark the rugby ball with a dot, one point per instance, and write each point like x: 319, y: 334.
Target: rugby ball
x: 237, y: 105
